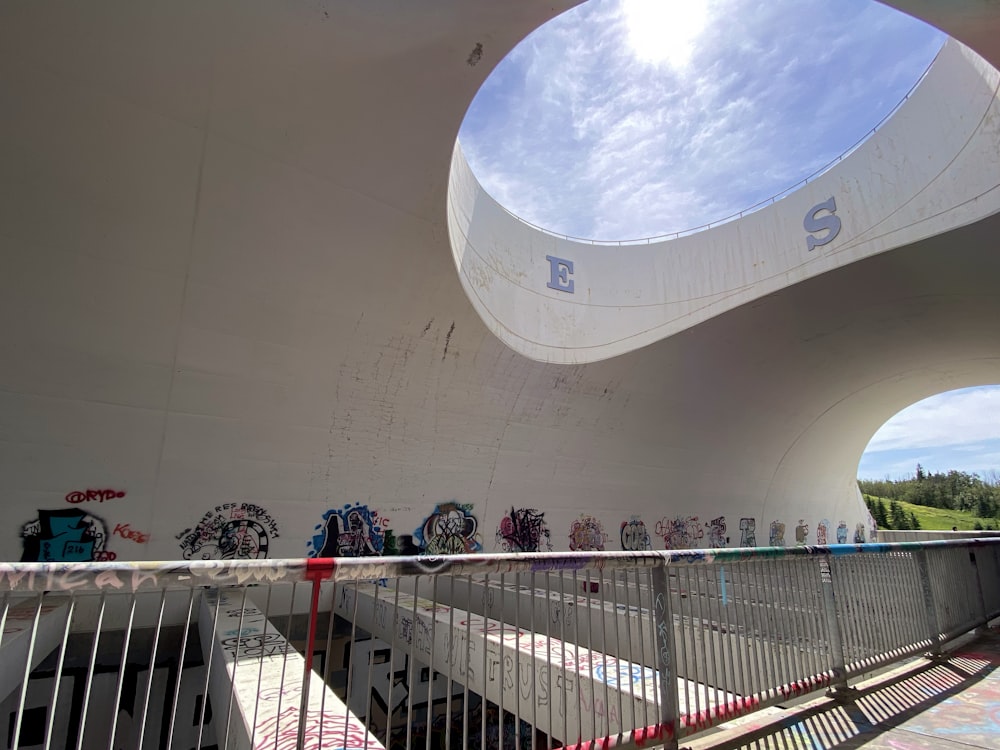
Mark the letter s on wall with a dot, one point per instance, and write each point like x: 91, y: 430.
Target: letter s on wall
x: 829, y: 222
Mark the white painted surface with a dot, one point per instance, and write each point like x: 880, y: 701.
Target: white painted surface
x: 226, y: 279
x: 48, y: 621
x: 256, y: 683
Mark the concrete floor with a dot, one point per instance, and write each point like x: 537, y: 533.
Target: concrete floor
x: 941, y: 705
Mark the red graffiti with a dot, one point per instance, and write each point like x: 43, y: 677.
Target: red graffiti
x: 104, y: 556
x: 125, y: 532
x: 329, y: 729
x: 92, y: 496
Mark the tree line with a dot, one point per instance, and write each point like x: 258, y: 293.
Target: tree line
x: 954, y: 490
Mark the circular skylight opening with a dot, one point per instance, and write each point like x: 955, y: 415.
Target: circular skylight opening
x: 636, y: 118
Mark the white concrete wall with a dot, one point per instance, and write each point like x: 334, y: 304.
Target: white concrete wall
x: 229, y: 308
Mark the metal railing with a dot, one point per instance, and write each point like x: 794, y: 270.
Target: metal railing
x: 522, y: 651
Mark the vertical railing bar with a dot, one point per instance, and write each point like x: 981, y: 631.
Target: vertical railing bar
x: 751, y: 643
x: 690, y: 637
x: 786, y: 663
x: 236, y: 663
x: 484, y: 703
x: 284, y: 661
x: 775, y: 635
x: 890, y: 640
x: 51, y: 720
x: 430, y: 665
x: 841, y: 574
x: 328, y: 664
x: 725, y: 642
x: 707, y: 575
x: 27, y: 672
x: 654, y: 644
x: 642, y: 648
x: 371, y: 669
x: 703, y: 677
x: 466, y: 729
x: 590, y: 657
x: 914, y: 615
x: 796, y: 618
x: 517, y: 661
x: 548, y: 653
x: 604, y: 658
x: 392, y: 661
x: 763, y: 635
x: 180, y: 669
x: 411, y: 665
x: 152, y: 669
x: 677, y: 628
x: 503, y: 620
x: 619, y: 651
x: 562, y: 654
x: 260, y: 662
x: 451, y: 657
x: 872, y: 638
x: 307, y: 661
x: 728, y: 606
x: 669, y: 716
x: 90, y: 671
x: 813, y: 613
x: 534, y: 659
x: 121, y: 674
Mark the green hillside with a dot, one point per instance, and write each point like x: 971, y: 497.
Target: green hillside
x: 942, y: 518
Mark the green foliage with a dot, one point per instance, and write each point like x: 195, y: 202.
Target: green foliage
x: 922, y: 517
x: 955, y: 490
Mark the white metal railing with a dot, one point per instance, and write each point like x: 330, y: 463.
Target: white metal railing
x: 484, y: 651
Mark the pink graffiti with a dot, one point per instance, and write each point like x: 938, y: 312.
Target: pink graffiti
x: 92, y: 496
x: 322, y: 730
x: 125, y: 532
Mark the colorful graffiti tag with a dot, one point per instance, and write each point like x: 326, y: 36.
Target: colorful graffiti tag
x: 822, y: 532
x: 859, y: 533
x: 635, y: 536
x: 65, y: 535
x: 748, y: 532
x: 802, y: 532
x: 717, y: 533
x: 842, y: 533
x: 449, y: 530
x: 777, y: 535
x: 524, y: 530
x: 230, y: 531
x: 680, y: 532
x: 587, y: 533
x: 352, y: 531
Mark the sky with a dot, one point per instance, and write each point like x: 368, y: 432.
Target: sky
x: 624, y: 119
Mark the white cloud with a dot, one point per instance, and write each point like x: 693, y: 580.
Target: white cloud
x: 957, y: 418
x: 582, y: 131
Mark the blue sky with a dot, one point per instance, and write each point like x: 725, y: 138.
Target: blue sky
x: 631, y: 118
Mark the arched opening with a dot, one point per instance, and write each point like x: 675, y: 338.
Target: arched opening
x: 936, y: 464
x: 637, y: 118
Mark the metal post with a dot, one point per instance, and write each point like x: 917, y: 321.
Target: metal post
x: 838, y: 659
x: 665, y: 659
x: 979, y: 590
x: 930, y: 608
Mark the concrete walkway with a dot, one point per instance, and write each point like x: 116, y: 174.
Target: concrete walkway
x: 951, y: 704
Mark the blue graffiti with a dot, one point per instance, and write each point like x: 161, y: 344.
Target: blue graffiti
x: 620, y: 674
x: 351, y: 531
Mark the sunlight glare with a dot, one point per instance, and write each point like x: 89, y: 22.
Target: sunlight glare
x: 664, y: 30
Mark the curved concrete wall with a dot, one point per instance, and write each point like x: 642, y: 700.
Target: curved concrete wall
x: 232, y: 322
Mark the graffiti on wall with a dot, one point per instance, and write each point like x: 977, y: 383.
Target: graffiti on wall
x: 801, y: 532
x: 842, y: 533
x: 352, y: 531
x: 524, y: 530
x: 228, y: 532
x: 717, y: 533
x: 65, y: 535
x: 450, y: 530
x: 681, y: 532
x: 859, y: 533
x: 93, y: 496
x: 748, y: 532
x: 823, y: 532
x: 777, y: 535
x: 587, y: 533
x: 635, y: 536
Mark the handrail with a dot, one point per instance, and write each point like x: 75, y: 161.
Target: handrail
x: 613, y: 648
x: 750, y: 209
